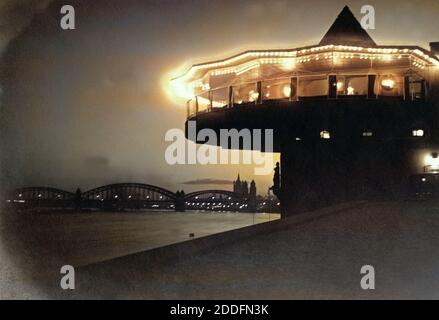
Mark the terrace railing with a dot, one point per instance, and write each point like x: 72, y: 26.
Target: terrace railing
x: 304, y: 88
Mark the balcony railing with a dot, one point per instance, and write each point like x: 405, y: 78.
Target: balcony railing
x: 307, y: 88
x: 434, y: 169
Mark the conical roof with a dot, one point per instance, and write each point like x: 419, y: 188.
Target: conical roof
x: 347, y: 31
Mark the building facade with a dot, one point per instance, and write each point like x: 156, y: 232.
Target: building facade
x: 352, y: 119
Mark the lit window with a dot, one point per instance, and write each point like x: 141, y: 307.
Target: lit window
x: 287, y: 91
x: 351, y: 91
x: 253, y: 95
x: 432, y: 160
x: 325, y: 135
x: 367, y: 134
x: 418, y: 133
x: 388, y: 84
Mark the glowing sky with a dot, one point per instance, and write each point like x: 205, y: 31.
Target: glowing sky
x: 87, y: 107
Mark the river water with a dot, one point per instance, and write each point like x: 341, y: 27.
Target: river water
x: 79, y: 238
x: 33, y: 246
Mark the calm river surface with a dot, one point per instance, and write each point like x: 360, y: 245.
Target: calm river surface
x: 81, y: 238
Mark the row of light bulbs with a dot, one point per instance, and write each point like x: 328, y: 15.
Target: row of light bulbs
x: 289, y: 63
x: 295, y: 53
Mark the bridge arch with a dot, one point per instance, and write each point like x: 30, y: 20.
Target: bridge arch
x: 129, y: 191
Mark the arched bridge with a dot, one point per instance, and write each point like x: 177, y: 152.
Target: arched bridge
x: 130, y: 196
x: 129, y: 191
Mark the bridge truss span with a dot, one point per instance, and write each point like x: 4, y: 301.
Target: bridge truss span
x: 217, y: 200
x: 130, y: 191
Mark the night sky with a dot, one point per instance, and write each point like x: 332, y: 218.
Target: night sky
x: 89, y: 107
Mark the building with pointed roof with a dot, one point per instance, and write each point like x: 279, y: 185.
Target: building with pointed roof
x: 347, y: 31
x: 241, y: 187
x: 351, y: 118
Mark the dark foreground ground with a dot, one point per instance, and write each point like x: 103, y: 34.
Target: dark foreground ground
x: 314, y: 255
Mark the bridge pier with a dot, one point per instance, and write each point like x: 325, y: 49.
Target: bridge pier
x: 180, y: 201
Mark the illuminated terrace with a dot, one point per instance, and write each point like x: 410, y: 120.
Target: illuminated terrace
x: 344, y: 65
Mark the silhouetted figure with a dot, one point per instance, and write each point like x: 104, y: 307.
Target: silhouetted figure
x: 276, y: 182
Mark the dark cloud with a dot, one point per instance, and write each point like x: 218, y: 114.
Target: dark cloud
x: 16, y: 15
